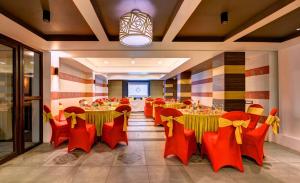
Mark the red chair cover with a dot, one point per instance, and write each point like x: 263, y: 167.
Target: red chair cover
x: 83, y: 134
x: 112, y: 132
x: 60, y: 130
x: 183, y: 141
x: 253, y: 141
x: 159, y: 99
x: 158, y: 108
x: 254, y: 115
x: 124, y: 101
x: 187, y: 103
x: 221, y: 147
x: 148, y: 109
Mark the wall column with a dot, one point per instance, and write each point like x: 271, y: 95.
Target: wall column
x: 170, y: 88
x: 184, y: 87
x: 229, y: 80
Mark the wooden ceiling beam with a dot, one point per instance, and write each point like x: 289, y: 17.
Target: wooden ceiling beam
x: 88, y: 12
x: 185, y: 11
x: 263, y: 19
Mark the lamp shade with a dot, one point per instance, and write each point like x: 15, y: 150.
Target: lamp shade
x: 135, y: 29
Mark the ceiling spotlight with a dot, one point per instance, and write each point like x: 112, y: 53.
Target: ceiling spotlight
x: 298, y: 29
x: 46, y: 16
x: 2, y: 63
x: 224, y: 17
x: 159, y: 62
x: 105, y: 62
x: 132, y: 62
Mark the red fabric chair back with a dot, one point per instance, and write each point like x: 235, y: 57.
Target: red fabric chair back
x: 254, y: 118
x: 119, y: 121
x: 80, y: 122
x: 159, y: 99
x: 48, y: 110
x: 178, y: 129
x: 226, y: 135
x: 187, y: 102
x: 124, y: 101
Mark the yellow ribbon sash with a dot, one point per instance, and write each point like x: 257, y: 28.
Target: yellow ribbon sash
x: 169, y: 119
x: 274, y: 122
x: 238, y: 124
x: 255, y: 110
x: 47, y: 117
x: 73, y: 115
x: 126, y: 115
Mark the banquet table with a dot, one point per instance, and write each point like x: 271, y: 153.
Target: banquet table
x: 174, y: 105
x: 201, y: 122
x: 99, y: 117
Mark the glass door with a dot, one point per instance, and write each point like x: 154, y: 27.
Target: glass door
x: 7, y: 126
x: 32, y: 122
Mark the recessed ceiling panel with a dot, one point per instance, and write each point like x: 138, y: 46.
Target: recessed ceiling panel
x: 282, y: 29
x: 66, y: 21
x: 161, y: 11
x: 205, y: 23
x: 132, y: 65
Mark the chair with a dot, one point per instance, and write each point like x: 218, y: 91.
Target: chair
x: 187, y: 103
x: 159, y: 99
x: 124, y: 101
x: 179, y: 141
x: 60, y: 130
x: 253, y: 140
x: 148, y: 109
x: 116, y: 131
x: 82, y: 134
x: 222, y: 148
x: 255, y: 111
x: 158, y: 107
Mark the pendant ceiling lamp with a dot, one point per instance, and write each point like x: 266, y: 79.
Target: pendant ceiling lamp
x: 135, y: 29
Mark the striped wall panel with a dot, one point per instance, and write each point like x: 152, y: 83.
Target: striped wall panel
x: 170, y: 88
x: 257, y: 81
x: 202, y: 85
x: 184, y: 86
x: 228, y: 73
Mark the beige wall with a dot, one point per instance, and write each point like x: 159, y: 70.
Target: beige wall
x: 115, y: 88
x: 289, y: 97
x: 157, y: 88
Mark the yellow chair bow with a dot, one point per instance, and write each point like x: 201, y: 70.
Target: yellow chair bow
x: 255, y: 110
x: 238, y: 124
x: 126, y: 115
x: 73, y: 116
x: 274, y: 122
x: 169, y: 119
x: 47, y: 116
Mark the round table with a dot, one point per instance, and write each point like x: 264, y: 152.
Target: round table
x: 201, y: 123
x: 98, y: 118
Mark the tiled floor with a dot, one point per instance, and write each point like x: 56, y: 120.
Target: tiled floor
x: 142, y: 161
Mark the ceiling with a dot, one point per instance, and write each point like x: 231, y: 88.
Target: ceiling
x: 66, y: 21
x: 162, y: 13
x: 132, y: 66
x: 279, y: 30
x: 187, y: 21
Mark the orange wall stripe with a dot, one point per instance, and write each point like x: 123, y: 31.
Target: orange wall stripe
x: 202, y: 94
x: 60, y: 95
x: 257, y: 95
x: 257, y: 71
x: 202, y: 81
x: 70, y: 77
x: 101, y: 84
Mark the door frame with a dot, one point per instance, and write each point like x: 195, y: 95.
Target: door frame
x: 18, y: 97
